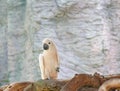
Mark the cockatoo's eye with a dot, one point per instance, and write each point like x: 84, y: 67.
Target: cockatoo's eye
x: 49, y: 43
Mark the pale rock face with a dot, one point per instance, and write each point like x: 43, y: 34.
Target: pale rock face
x: 86, y: 33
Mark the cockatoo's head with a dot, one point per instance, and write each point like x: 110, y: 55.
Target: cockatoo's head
x: 48, y: 44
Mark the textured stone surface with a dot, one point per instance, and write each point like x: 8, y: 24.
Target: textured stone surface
x: 86, y: 33
x: 3, y: 42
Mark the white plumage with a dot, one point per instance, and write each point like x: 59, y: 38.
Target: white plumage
x: 49, y: 60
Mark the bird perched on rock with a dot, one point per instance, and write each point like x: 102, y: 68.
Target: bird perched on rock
x: 49, y: 60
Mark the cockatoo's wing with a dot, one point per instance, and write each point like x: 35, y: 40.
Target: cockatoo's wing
x: 42, y: 65
x: 58, y: 63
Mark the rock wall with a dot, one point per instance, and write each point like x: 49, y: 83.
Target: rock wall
x: 86, y: 33
x: 3, y: 43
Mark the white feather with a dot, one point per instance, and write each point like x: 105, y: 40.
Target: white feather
x: 41, y: 64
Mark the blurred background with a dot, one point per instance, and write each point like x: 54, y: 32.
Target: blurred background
x: 86, y: 33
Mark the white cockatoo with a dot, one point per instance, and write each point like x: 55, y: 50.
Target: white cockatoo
x: 49, y: 60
